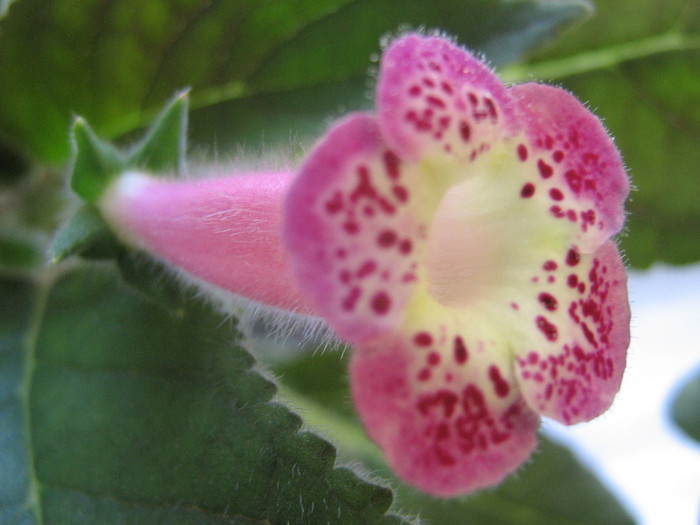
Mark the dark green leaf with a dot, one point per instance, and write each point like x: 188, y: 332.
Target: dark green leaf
x: 114, y: 62
x: 131, y: 413
x: 686, y: 406
x: 637, y: 64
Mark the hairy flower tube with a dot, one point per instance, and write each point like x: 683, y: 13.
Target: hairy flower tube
x: 459, y: 239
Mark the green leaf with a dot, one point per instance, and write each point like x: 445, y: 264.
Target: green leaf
x: 553, y: 488
x: 114, y: 62
x: 86, y: 234
x: 637, y: 64
x: 686, y: 406
x: 115, y: 410
x: 16, y: 297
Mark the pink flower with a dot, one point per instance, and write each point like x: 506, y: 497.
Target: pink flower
x: 459, y: 239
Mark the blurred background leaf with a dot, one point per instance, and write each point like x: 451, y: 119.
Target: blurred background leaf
x: 685, y: 409
x: 115, y: 62
x: 637, y: 65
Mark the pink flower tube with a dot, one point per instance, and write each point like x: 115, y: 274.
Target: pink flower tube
x: 459, y: 239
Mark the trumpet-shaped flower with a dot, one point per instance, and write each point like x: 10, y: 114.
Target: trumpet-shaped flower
x: 459, y: 239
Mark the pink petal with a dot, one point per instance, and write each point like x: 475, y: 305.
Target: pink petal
x: 576, y: 317
x: 351, y: 231
x: 435, y: 96
x: 224, y: 230
x: 444, y: 410
x: 579, y: 174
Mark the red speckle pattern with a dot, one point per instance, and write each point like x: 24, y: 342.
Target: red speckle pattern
x: 434, y: 103
x: 572, y: 373
x: 370, y: 233
x: 441, y: 436
x: 577, y: 164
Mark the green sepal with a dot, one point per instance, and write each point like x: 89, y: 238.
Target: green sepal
x: 162, y: 150
x: 85, y: 234
x: 95, y: 162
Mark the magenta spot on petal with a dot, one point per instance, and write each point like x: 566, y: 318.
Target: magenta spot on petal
x: 424, y: 374
x: 572, y: 280
x: 527, y: 191
x: 465, y: 131
x: 500, y: 385
x: 400, y: 193
x: 545, y: 169
x: 351, y: 227
x: 548, y: 301
x: 350, y: 301
x: 386, y: 238
x: 532, y: 357
x: 446, y: 87
x: 423, y: 339
x: 550, y: 266
x: 460, y: 350
x: 414, y: 91
x: 335, y: 204
x: 366, y: 269
x: 573, y: 257
x: 548, y: 329
x: 522, y: 152
x: 556, y: 194
x: 558, y: 156
x: 574, y: 180
x: 557, y: 212
x: 433, y: 358
x: 381, y: 303
x: 406, y: 246
x: 391, y: 164
x: 435, y: 101
x: 445, y: 399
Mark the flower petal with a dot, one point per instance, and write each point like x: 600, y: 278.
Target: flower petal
x: 223, y: 230
x: 443, y: 408
x: 580, y: 176
x: 351, y: 228
x: 579, y: 314
x: 434, y: 96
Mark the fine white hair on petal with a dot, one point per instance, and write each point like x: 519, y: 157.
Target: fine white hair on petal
x: 277, y: 324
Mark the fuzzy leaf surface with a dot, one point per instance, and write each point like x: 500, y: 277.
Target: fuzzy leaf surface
x: 115, y: 409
